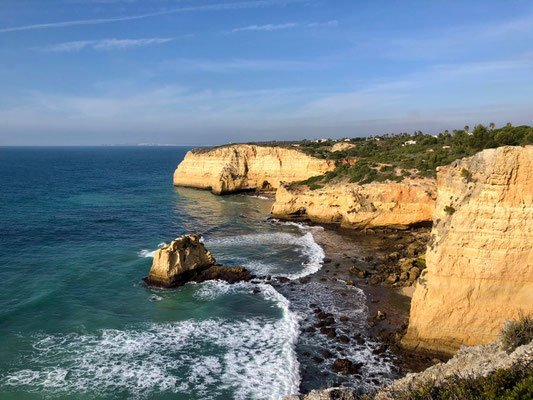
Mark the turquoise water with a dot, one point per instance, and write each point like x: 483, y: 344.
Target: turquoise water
x: 78, y: 227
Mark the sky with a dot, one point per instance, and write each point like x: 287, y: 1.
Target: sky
x: 206, y: 72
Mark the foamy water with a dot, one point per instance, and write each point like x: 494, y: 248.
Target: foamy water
x: 256, y: 357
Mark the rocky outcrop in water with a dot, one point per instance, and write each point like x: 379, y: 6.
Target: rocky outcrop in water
x: 186, y: 259
x: 239, y: 167
x: 480, y: 255
x: 396, y: 205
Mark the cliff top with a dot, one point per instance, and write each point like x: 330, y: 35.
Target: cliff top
x: 396, y: 157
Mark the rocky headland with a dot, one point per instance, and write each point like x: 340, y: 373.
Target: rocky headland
x: 186, y: 259
x: 241, y: 167
x: 389, y: 204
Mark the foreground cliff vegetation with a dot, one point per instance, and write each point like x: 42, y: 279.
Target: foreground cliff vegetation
x: 517, y: 333
x: 395, y: 157
x: 504, y: 384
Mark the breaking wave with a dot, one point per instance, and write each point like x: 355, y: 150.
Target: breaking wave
x: 253, y: 358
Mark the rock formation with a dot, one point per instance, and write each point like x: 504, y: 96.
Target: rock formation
x: 342, y: 146
x: 241, y: 167
x: 186, y: 259
x: 396, y: 205
x: 480, y: 256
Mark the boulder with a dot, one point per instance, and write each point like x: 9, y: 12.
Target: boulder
x: 345, y: 366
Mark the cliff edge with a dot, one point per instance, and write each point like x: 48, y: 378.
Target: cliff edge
x: 480, y: 255
x: 389, y: 204
x: 241, y: 167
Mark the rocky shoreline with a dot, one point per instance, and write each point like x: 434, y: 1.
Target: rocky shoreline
x: 357, y: 268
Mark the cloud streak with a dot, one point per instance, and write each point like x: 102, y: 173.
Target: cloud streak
x: 289, y: 25
x: 96, y: 21
x: 267, y: 27
x: 105, y: 44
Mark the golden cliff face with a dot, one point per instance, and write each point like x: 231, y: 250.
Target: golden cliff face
x: 480, y: 256
x: 241, y: 167
x: 397, y: 205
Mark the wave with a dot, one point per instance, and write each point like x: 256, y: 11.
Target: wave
x: 150, y: 253
x: 247, y: 359
x: 309, y: 248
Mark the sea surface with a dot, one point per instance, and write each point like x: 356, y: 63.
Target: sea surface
x: 78, y: 228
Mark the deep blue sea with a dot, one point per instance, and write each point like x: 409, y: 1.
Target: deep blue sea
x: 78, y: 229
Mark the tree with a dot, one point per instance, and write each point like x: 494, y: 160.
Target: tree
x: 446, y: 133
x: 508, y: 124
x: 491, y: 126
x: 467, y: 128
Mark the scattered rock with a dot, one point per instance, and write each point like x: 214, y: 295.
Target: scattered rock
x: 380, y: 316
x: 344, y: 339
x: 345, y: 366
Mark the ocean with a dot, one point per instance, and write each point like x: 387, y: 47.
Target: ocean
x: 79, y: 226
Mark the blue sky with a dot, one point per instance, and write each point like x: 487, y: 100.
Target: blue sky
x: 207, y: 72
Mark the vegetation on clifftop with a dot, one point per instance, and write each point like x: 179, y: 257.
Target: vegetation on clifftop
x: 394, y: 157
x: 398, y: 156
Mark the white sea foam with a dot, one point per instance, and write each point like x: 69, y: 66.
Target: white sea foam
x: 150, y: 253
x: 374, y: 366
x: 257, y: 196
x: 147, y: 253
x: 251, y: 359
x: 309, y: 248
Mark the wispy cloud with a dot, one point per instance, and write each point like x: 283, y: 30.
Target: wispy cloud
x: 267, y: 27
x: 331, y: 23
x: 289, y: 25
x: 239, y: 65
x: 207, y: 7
x: 105, y: 44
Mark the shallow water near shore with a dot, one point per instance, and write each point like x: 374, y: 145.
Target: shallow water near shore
x: 79, y: 227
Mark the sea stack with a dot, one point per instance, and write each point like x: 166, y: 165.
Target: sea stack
x: 480, y: 256
x: 174, y: 262
x: 187, y: 260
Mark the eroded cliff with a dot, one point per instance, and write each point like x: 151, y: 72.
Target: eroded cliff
x: 480, y: 257
x: 396, y: 205
x: 240, y: 167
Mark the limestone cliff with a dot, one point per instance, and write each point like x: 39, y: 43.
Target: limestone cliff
x: 240, y: 167
x: 397, y: 205
x: 480, y: 256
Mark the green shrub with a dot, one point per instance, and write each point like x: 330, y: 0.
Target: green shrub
x: 449, y: 210
x: 517, y: 333
x: 504, y: 384
x: 314, y: 186
x: 421, y: 263
x: 466, y: 174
